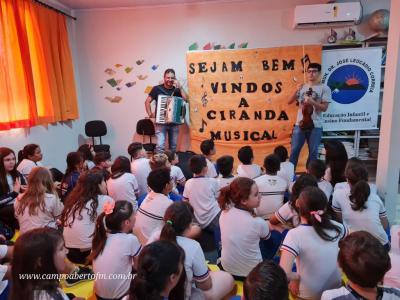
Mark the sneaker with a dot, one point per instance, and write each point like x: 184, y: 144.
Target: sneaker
x: 81, y: 274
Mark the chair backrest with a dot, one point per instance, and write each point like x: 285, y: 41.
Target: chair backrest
x: 184, y: 158
x: 145, y: 127
x: 95, y: 128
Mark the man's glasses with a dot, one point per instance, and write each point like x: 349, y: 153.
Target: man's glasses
x: 312, y: 71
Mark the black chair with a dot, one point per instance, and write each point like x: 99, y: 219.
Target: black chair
x: 97, y: 128
x: 145, y: 127
x: 184, y: 158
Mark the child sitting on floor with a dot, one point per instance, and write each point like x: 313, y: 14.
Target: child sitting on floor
x: 317, y: 169
x: 225, y: 167
x: 207, y: 147
x: 247, y: 168
x: 364, y: 261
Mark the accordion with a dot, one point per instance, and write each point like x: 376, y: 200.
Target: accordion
x: 170, y: 110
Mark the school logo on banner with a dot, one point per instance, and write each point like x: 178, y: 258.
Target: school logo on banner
x: 348, y: 84
x: 239, y: 97
x: 354, y: 78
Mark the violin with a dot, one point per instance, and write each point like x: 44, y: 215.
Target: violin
x: 307, y: 110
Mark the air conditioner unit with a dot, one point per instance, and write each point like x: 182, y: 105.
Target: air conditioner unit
x: 327, y: 15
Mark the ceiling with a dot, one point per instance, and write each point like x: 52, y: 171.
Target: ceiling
x: 91, y: 4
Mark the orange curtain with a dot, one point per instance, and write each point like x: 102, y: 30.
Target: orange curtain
x: 36, y: 74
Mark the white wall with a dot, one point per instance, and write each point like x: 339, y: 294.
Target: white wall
x: 161, y: 35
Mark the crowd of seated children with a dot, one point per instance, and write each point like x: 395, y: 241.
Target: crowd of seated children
x: 122, y: 185
x: 246, y: 168
x: 207, y: 147
x: 271, y: 187
x: 225, y: 168
x: 98, y: 223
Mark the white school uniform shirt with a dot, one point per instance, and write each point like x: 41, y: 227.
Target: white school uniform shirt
x: 150, y: 214
x: 80, y: 234
x: 177, y: 174
x: 272, y: 189
x: 346, y: 185
x: 367, y: 219
x: 211, y: 172
x: 124, y: 188
x: 89, y: 164
x: 287, y: 215
x: 195, y: 262
x: 250, y: 171
x: 53, y: 208
x: 224, y: 181
x: 26, y: 166
x: 177, y: 177
x: 141, y: 169
x: 326, y: 187
x: 286, y: 171
x: 3, y: 269
x: 344, y: 293
x: 116, y: 258
x: 201, y: 193
x: 240, y: 238
x: 316, y: 259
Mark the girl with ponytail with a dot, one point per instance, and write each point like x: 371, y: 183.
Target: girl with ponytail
x: 358, y: 207
x: 113, y: 249
x: 314, y: 245
x: 288, y: 214
x: 159, y: 273
x: 29, y: 158
x: 200, y: 282
x: 241, y: 230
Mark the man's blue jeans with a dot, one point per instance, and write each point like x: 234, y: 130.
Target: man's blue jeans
x: 299, y: 137
x: 161, y: 133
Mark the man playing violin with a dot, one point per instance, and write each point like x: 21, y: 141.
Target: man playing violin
x: 313, y: 98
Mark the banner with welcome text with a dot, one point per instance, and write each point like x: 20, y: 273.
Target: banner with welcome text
x: 239, y: 97
x: 354, y: 76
